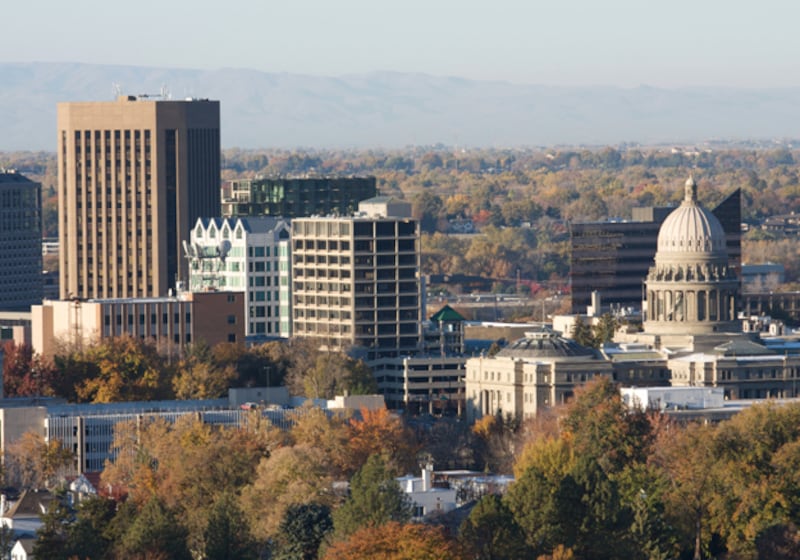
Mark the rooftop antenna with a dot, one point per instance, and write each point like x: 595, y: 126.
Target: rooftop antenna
x: 223, y: 249
x: 116, y: 89
x: 165, y: 93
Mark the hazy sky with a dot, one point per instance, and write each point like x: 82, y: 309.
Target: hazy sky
x: 626, y: 43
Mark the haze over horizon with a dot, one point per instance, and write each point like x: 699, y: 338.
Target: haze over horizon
x: 362, y: 74
x: 620, y: 43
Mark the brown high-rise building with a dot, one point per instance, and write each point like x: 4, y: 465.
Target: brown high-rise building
x: 133, y: 177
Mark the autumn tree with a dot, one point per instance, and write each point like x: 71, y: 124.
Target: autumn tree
x: 188, y: 464
x: 495, y: 442
x: 33, y: 463
x: 396, y: 541
x: 688, y: 461
x: 312, y: 427
x: 755, y: 453
x: 121, y: 369
x: 200, y: 379
x: 25, y: 374
x: 381, y: 432
x: 291, y: 475
x: 333, y: 373
x: 600, y: 426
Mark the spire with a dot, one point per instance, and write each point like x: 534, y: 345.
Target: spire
x: 691, y: 191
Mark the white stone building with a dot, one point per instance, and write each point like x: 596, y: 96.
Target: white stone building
x: 249, y: 255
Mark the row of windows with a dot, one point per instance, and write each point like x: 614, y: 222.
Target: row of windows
x: 176, y: 318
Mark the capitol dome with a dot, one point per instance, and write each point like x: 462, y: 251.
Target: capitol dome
x: 546, y: 344
x: 692, y: 288
x: 692, y: 229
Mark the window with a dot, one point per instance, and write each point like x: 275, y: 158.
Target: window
x: 231, y: 319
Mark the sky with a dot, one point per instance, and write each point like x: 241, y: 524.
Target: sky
x: 624, y: 43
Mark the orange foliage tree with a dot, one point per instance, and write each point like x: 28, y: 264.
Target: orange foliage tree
x: 380, y: 432
x: 396, y: 541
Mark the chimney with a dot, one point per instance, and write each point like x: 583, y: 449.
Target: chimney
x: 427, y: 475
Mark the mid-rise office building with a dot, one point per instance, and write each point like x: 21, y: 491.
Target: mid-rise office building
x: 356, y: 283
x: 171, y: 322
x: 614, y: 258
x: 20, y: 242
x: 293, y: 197
x: 133, y: 176
x: 249, y: 255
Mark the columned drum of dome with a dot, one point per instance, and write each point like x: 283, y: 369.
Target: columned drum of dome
x: 691, y: 289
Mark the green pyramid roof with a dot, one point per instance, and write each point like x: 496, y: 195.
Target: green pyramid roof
x: 447, y: 314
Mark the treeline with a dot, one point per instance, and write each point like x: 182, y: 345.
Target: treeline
x: 190, y: 490
x: 593, y: 481
x: 534, y: 192
x: 127, y: 368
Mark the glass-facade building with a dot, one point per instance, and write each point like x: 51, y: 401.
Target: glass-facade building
x: 293, y: 197
x: 20, y: 242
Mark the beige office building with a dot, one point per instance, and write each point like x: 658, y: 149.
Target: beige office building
x: 170, y: 322
x: 133, y: 177
x: 356, y: 284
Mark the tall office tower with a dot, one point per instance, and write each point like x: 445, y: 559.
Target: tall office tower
x: 133, y: 176
x: 356, y: 284
x: 292, y: 197
x: 20, y: 242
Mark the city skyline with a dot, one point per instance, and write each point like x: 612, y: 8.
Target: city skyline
x: 619, y: 43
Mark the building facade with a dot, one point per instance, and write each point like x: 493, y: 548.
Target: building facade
x: 691, y: 289
x: 615, y: 257
x: 356, y: 284
x: 249, y: 255
x: 20, y: 242
x: 133, y: 176
x: 294, y: 197
x: 537, y: 371
x: 170, y: 322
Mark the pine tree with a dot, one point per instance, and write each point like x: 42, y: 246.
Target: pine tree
x: 302, y: 530
x: 227, y: 536
x: 375, y: 498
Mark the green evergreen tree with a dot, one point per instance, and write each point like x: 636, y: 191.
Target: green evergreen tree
x: 375, y: 498
x: 583, y: 333
x: 88, y: 536
x: 491, y: 532
x: 227, y: 536
x: 7, y: 540
x: 155, y: 533
x: 51, y: 537
x: 604, y: 330
x: 302, y: 530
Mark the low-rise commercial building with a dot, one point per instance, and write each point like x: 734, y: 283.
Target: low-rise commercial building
x: 170, y: 322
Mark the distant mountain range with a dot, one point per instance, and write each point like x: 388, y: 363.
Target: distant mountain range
x: 388, y: 109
